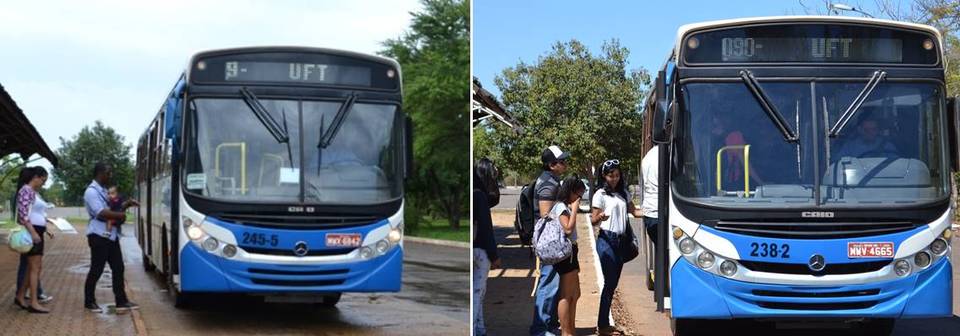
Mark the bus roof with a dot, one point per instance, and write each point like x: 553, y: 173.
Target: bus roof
x: 687, y: 28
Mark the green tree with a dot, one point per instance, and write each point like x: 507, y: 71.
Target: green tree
x: 435, y: 57
x: 587, y: 104
x: 79, y: 154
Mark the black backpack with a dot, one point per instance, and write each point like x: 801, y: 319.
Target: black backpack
x: 526, y: 213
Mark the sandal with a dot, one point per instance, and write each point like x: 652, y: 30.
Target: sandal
x: 609, y: 331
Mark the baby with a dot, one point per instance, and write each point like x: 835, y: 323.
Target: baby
x: 115, y: 202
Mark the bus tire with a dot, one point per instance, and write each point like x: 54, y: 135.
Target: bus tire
x: 147, y: 265
x: 181, y: 300
x: 878, y: 327
x: 684, y: 327
x: 329, y: 301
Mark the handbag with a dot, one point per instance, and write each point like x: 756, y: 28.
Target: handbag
x: 629, y: 244
x: 20, y: 240
x: 550, y: 243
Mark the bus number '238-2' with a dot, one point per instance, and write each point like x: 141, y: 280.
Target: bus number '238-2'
x: 260, y: 239
x: 771, y: 250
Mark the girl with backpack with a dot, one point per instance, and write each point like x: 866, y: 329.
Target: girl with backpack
x: 610, y: 204
x: 568, y: 198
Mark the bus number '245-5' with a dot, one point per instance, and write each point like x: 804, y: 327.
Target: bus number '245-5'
x: 260, y: 239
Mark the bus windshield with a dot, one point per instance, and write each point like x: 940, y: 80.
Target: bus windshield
x: 232, y: 156
x: 890, y: 152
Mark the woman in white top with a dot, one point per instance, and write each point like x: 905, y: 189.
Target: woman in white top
x: 610, y: 204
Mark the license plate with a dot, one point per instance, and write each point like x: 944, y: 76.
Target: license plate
x: 343, y: 239
x: 870, y: 250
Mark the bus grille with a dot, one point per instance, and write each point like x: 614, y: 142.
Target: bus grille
x: 299, y: 222
x: 297, y: 283
x: 817, y: 306
x: 825, y: 230
x: 289, y: 252
x: 786, y: 268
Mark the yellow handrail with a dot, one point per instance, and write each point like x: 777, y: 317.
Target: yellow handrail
x: 243, y: 162
x: 746, y: 167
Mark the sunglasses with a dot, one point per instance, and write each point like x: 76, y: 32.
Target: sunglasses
x: 613, y: 162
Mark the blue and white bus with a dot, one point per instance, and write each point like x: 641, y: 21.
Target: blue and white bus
x: 805, y: 173
x: 277, y: 172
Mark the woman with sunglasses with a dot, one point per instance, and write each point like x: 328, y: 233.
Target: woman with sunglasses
x: 610, y: 205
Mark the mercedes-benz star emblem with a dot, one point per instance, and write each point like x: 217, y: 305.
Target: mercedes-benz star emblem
x: 817, y: 263
x: 300, y: 248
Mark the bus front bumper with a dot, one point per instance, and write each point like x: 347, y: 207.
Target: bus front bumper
x: 698, y: 294
x: 206, y: 272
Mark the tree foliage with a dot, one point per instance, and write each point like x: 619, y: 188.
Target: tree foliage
x: 587, y: 104
x: 435, y: 57
x: 79, y: 154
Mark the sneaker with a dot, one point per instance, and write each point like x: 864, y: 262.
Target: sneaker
x: 93, y: 307
x: 44, y: 298
x: 129, y: 305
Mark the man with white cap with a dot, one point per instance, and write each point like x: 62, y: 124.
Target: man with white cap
x: 545, y: 320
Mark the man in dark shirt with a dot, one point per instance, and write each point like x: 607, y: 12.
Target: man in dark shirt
x: 545, y: 320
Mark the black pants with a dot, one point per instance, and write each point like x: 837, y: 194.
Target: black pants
x: 102, y: 252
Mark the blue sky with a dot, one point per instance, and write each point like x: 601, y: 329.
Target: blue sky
x: 506, y: 32
x: 69, y: 63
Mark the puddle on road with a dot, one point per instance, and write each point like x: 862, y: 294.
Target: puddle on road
x: 106, y: 279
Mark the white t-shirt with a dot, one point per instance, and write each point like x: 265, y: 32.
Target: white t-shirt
x: 614, y: 206
x: 558, y: 209
x: 649, y: 166
x: 38, y: 212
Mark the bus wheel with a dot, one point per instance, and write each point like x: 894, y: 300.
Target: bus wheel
x: 147, y: 265
x: 684, y: 327
x: 329, y: 301
x: 880, y: 327
x: 181, y: 300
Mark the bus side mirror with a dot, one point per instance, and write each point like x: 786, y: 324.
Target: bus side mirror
x: 661, y: 112
x: 953, y: 132
x: 408, y: 147
x: 172, y: 111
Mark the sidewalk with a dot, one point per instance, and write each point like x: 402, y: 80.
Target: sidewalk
x: 508, y: 306
x: 65, y: 264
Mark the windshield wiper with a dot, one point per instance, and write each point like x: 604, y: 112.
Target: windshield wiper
x: 265, y: 118
x: 768, y: 106
x: 878, y: 76
x: 327, y: 136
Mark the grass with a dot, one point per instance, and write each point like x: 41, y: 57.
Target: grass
x: 435, y: 228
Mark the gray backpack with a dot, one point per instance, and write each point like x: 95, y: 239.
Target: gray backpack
x: 550, y: 242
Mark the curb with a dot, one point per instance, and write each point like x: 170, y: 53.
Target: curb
x: 437, y: 242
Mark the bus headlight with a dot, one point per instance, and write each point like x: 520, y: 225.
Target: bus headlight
x: 705, y: 259
x: 395, y: 234
x: 687, y: 246
x: 938, y: 246
x: 229, y: 251
x: 382, y: 246
x: 210, y: 244
x: 194, y: 232
x: 366, y: 252
x: 728, y: 268
x: 902, y: 267
x: 922, y: 259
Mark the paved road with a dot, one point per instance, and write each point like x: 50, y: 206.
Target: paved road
x: 638, y: 302
x: 434, y: 300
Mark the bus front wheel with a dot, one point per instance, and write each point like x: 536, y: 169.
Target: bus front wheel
x: 329, y: 301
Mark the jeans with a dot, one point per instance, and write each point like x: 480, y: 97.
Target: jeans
x: 481, y: 265
x: 22, y: 275
x: 611, y: 263
x: 651, y: 225
x: 545, y: 320
x: 102, y: 252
